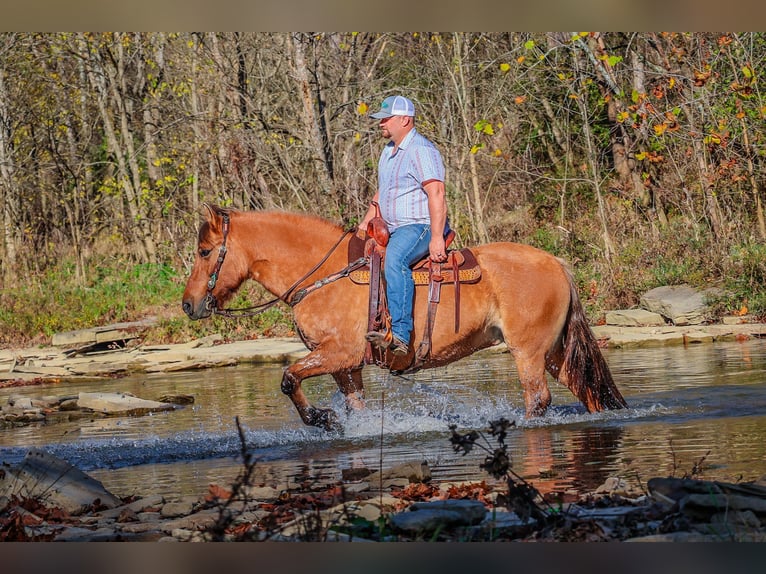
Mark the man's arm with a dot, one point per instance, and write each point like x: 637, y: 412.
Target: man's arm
x: 437, y: 211
x: 362, y: 229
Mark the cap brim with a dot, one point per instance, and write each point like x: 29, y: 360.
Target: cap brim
x: 381, y: 115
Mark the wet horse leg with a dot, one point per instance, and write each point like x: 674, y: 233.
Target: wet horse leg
x: 350, y: 384
x: 537, y: 395
x: 309, y: 366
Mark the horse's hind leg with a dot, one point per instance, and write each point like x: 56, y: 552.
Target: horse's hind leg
x: 537, y: 395
x: 350, y: 384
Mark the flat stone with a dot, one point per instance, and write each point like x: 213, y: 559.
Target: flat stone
x: 427, y: 521
x: 676, y: 537
x: 369, y: 512
x: 681, y: 304
x: 471, y: 511
x: 634, y: 318
x: 412, y: 471
x: 107, y: 333
x: 141, y: 527
x: 706, y: 504
x: 179, y: 508
x: 262, y: 492
x: 197, y: 521
x: 119, y: 403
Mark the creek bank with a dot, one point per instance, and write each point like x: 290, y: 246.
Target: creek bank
x: 45, y: 498
x: 40, y: 364
x: 113, y: 357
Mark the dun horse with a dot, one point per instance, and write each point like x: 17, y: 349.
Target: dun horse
x: 525, y: 297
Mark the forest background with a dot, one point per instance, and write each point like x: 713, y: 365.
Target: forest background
x: 640, y: 158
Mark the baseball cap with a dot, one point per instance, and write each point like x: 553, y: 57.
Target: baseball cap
x: 394, y: 106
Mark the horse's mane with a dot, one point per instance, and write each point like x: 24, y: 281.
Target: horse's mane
x: 305, y: 221
x: 312, y: 227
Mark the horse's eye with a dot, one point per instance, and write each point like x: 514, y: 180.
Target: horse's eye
x: 204, y: 252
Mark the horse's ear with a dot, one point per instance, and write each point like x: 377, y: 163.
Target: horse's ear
x: 212, y: 216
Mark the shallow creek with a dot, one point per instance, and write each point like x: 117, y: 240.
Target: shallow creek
x: 699, y: 405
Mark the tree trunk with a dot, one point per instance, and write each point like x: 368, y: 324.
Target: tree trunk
x: 106, y: 80
x: 8, y: 197
x: 311, y: 125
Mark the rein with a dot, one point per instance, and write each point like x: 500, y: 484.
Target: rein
x: 297, y: 297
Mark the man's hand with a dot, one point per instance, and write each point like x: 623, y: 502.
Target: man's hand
x: 437, y: 249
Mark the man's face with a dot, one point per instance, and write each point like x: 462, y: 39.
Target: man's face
x: 395, y: 127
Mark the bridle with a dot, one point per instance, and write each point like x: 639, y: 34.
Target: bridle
x: 210, y: 303
x: 291, y: 296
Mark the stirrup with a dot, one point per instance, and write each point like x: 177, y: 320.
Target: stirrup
x: 380, y: 339
x: 386, y: 340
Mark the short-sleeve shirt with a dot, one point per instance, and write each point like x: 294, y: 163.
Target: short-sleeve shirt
x: 401, y: 175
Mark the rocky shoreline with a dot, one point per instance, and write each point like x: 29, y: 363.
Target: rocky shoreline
x: 45, y: 499
x: 121, y: 354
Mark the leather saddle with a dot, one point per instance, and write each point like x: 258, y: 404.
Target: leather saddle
x: 461, y: 267
x: 464, y: 259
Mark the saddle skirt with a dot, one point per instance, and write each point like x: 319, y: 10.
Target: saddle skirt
x: 468, y: 270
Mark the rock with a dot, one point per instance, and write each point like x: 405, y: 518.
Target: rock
x: 682, y: 304
x: 177, y: 399
x: 197, y: 521
x: 745, y: 518
x: 675, y: 537
x: 119, y: 403
x: 471, y: 511
x: 613, y: 485
x: 369, y: 512
x: 700, y: 506
x: 262, y: 492
x: 54, y: 482
x: 634, y: 318
x: 117, y: 332
x: 20, y: 402
x: 429, y: 517
x: 356, y: 487
x: 140, y: 505
x: 179, y: 507
x: 127, y: 515
x: 412, y: 471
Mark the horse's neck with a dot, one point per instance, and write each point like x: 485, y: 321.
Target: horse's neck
x: 284, y: 249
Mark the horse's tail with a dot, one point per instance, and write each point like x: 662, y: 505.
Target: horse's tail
x: 584, y: 368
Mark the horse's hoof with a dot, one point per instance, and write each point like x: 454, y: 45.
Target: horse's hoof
x: 326, y: 419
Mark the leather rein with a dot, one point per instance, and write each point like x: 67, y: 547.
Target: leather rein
x: 291, y: 296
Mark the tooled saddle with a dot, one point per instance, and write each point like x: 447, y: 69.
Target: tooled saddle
x: 461, y: 267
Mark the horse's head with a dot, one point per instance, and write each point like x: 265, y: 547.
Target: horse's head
x: 216, y: 274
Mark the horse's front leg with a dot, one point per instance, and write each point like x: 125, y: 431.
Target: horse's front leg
x: 311, y: 365
x: 350, y: 384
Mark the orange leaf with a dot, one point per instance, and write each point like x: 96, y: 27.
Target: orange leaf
x: 216, y: 492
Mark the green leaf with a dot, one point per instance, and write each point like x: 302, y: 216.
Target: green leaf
x: 529, y: 44
x: 614, y: 60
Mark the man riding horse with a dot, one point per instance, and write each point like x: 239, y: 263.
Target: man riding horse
x: 412, y: 202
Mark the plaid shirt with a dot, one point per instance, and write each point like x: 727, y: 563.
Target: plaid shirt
x: 401, y: 176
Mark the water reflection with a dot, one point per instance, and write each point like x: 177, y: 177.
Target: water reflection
x: 701, y: 403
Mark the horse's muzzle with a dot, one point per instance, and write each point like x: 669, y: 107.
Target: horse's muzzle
x: 204, y: 309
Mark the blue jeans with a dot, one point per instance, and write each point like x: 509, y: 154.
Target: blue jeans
x: 406, y: 246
